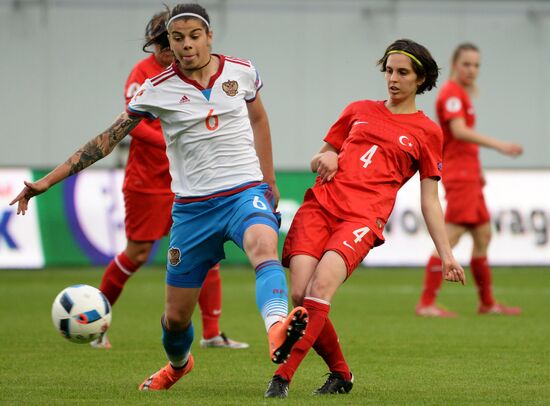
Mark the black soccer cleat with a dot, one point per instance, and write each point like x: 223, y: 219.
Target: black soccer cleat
x: 277, y: 388
x: 282, y: 336
x: 335, y: 384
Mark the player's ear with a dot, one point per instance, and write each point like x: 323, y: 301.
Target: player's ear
x: 209, y: 37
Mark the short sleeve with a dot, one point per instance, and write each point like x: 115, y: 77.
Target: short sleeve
x: 452, y: 105
x: 256, y: 84
x: 142, y: 103
x: 431, y: 153
x: 339, y: 131
x: 133, y: 83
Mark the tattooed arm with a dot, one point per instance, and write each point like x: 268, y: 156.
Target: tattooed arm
x: 94, y: 150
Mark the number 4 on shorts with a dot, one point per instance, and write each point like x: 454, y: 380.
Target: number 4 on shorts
x: 360, y: 233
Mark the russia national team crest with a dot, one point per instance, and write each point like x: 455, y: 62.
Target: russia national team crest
x: 174, y: 256
x: 230, y: 87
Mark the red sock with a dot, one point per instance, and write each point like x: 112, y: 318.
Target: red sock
x: 482, y: 275
x: 115, y: 276
x: 433, y: 277
x: 210, y: 303
x: 317, y: 315
x: 328, y: 347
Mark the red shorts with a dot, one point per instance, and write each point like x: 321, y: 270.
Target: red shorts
x: 315, y: 231
x: 148, y: 216
x: 465, y: 204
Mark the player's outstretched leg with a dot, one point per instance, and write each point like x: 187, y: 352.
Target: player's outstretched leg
x: 167, y: 376
x: 284, y: 334
x: 334, y: 384
x: 177, y: 345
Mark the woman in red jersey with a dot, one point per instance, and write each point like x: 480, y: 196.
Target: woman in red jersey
x: 148, y: 198
x: 371, y: 151
x: 463, y: 181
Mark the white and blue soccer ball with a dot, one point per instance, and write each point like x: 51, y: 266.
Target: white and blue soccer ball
x: 81, y: 313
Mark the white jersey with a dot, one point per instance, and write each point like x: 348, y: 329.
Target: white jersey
x: 209, y: 140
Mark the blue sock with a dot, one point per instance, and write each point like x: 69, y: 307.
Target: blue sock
x: 271, y: 292
x: 177, y: 344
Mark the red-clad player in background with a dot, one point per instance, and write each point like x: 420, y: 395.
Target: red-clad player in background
x: 148, y: 199
x: 463, y: 181
x: 371, y: 151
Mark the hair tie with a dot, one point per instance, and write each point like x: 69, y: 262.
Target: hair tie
x: 414, y: 58
x: 188, y: 15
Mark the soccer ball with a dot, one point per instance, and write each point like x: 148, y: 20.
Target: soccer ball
x: 81, y: 313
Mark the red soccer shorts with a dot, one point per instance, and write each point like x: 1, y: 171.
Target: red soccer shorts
x: 466, y: 204
x: 315, y: 231
x: 148, y: 216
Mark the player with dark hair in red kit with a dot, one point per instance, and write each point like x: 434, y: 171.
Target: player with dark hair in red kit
x: 370, y: 152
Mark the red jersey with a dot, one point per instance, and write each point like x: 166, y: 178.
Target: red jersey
x: 461, y: 158
x: 147, y: 169
x: 378, y: 152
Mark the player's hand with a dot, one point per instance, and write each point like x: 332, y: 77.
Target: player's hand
x: 327, y: 165
x: 276, y: 194
x: 30, y: 190
x: 453, y: 272
x: 511, y: 149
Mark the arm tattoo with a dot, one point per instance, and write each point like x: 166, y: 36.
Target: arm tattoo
x: 103, y: 144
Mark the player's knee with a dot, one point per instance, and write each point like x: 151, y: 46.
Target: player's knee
x: 483, y: 239
x: 140, y: 258
x: 175, y: 321
x: 261, y: 246
x: 138, y: 254
x: 320, y: 288
x: 297, y: 297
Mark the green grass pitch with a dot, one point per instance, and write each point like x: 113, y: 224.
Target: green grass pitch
x: 397, y: 358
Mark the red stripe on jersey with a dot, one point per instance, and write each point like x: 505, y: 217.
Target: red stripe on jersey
x: 229, y: 192
x: 158, y: 82
x: 238, y: 60
x: 162, y: 77
x: 163, y: 73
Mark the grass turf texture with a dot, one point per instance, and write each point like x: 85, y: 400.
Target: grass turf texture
x: 397, y: 358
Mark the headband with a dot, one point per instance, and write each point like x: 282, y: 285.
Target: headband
x: 414, y: 58
x: 188, y: 15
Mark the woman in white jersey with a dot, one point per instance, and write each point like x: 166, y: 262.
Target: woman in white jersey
x: 219, y: 147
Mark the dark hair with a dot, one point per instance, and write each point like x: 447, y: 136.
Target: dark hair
x: 429, y: 71
x: 155, y: 31
x: 190, y: 8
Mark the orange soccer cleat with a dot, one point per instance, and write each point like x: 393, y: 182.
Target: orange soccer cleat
x: 499, y: 309
x: 167, y: 376
x: 284, y: 334
x: 434, y: 311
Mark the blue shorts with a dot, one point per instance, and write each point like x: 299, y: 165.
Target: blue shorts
x: 201, y: 228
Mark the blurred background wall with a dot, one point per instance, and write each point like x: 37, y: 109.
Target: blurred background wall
x: 64, y: 64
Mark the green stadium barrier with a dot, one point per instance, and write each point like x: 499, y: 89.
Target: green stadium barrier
x: 81, y: 220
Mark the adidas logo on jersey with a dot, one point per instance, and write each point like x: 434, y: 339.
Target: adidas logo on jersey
x: 184, y: 99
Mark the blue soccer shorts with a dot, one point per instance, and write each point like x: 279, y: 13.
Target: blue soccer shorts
x: 201, y: 228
